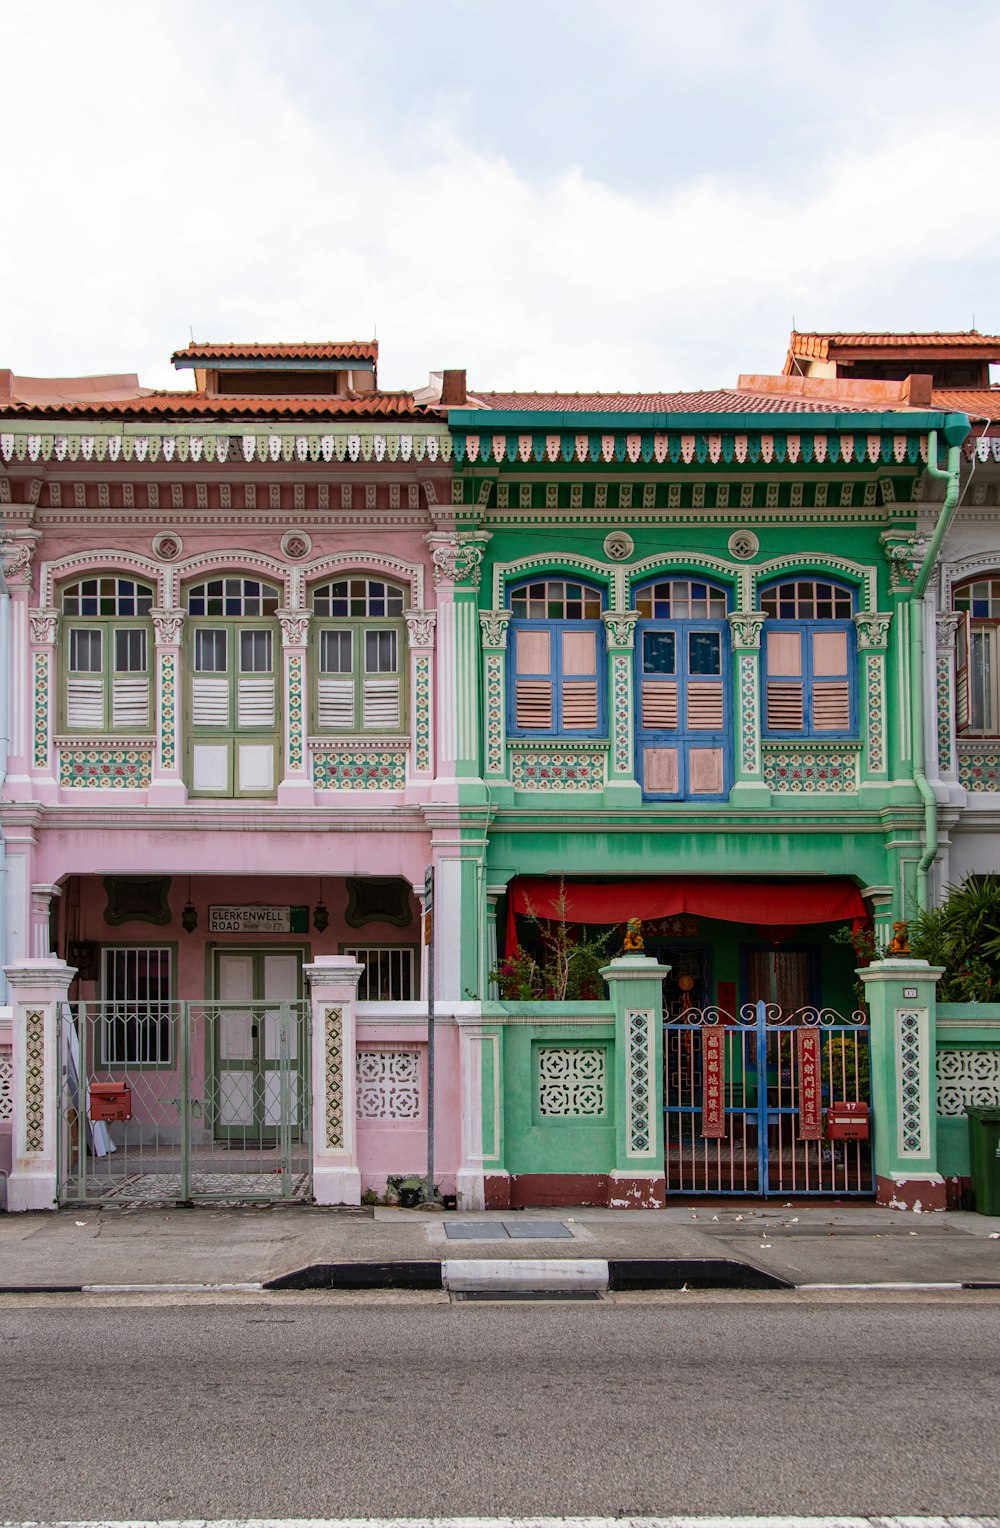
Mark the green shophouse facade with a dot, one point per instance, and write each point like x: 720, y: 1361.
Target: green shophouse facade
x: 682, y: 684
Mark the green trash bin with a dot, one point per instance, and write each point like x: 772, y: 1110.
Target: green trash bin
x: 984, y: 1153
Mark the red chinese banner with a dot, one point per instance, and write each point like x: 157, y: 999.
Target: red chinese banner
x: 713, y: 1092
x: 807, y: 1046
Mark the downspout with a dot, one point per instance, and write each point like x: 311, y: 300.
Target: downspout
x: 950, y: 474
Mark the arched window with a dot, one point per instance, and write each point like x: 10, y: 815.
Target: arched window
x: 809, y: 660
x: 557, y: 674
x: 977, y: 688
x: 106, y: 655
x: 233, y: 645
x: 683, y: 689
x: 359, y: 646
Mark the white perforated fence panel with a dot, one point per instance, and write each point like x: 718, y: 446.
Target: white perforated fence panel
x: 572, y: 1081
x: 967, y: 1077
x: 388, y: 1084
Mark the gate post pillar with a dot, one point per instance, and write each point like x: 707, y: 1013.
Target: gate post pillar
x: 37, y: 988
x: 333, y: 982
x: 901, y: 995
x: 636, y: 986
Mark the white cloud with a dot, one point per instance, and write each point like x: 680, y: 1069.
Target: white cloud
x: 169, y: 172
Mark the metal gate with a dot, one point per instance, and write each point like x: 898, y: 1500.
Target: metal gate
x: 184, y: 1102
x: 747, y: 1102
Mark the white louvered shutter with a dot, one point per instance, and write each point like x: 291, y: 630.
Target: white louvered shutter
x: 659, y: 705
x: 335, y: 704
x: 254, y: 702
x: 705, y: 705
x: 784, y: 705
x: 380, y: 704
x: 210, y: 702
x: 85, y: 703
x: 129, y: 702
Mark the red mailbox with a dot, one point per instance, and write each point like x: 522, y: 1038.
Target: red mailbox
x: 847, y: 1122
x: 110, y: 1101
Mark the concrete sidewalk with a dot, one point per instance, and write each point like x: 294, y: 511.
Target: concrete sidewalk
x: 800, y: 1244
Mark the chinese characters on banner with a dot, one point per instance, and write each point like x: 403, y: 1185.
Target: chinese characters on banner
x: 807, y: 1044
x: 713, y: 1096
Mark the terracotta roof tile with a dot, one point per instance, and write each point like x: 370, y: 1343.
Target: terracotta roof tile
x: 927, y: 344
x: 977, y: 402
x: 183, y: 404
x: 721, y: 401
x: 305, y: 350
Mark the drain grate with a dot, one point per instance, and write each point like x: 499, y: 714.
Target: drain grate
x: 527, y: 1294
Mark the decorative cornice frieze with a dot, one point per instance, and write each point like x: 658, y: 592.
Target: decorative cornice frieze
x: 947, y: 623
x: 44, y: 625
x: 294, y: 626
x: 873, y: 629
x: 167, y: 626
x: 493, y: 629
x: 420, y: 626
x: 619, y: 629
x: 745, y: 626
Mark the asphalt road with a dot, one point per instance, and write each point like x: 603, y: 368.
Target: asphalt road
x: 299, y: 1408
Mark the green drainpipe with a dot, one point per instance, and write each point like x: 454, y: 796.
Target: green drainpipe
x: 915, y: 604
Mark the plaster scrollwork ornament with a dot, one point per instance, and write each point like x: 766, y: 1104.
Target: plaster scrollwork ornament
x: 167, y: 625
x: 618, y: 546
x: 619, y: 627
x: 745, y: 626
x: 904, y: 553
x: 493, y: 628
x: 420, y: 626
x: 44, y: 626
x: 948, y: 622
x: 873, y: 629
x: 457, y: 562
x: 16, y: 558
x: 744, y: 545
x: 294, y: 625
x: 168, y: 546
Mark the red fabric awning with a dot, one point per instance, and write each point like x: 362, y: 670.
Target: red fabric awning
x: 837, y: 900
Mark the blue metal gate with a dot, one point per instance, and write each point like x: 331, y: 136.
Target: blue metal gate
x: 760, y: 1149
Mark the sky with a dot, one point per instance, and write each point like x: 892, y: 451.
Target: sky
x: 569, y: 194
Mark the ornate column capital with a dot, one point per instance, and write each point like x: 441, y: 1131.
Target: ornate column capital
x: 904, y: 551
x: 947, y: 622
x: 745, y: 626
x: 294, y: 626
x: 167, y: 625
x: 873, y: 629
x: 493, y: 629
x: 44, y: 626
x: 16, y: 552
x: 420, y: 626
x: 457, y: 556
x: 619, y: 629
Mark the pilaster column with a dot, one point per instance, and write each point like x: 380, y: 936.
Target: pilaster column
x: 457, y: 559
x: 38, y: 988
x: 295, y: 787
x: 619, y: 627
x: 901, y: 997
x: 43, y: 627
x: 947, y: 623
x: 883, y: 912
x: 493, y: 636
x: 873, y: 639
x: 420, y: 631
x: 16, y: 553
x: 167, y: 787
x: 900, y: 549
x: 749, y: 788
x: 333, y: 988
x: 481, y: 1182
x: 636, y: 986
x: 490, y: 956
x: 42, y: 898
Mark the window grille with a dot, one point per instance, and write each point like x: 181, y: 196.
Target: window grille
x: 135, y: 1017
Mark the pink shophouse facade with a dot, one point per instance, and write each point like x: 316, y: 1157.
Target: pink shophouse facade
x: 230, y: 614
